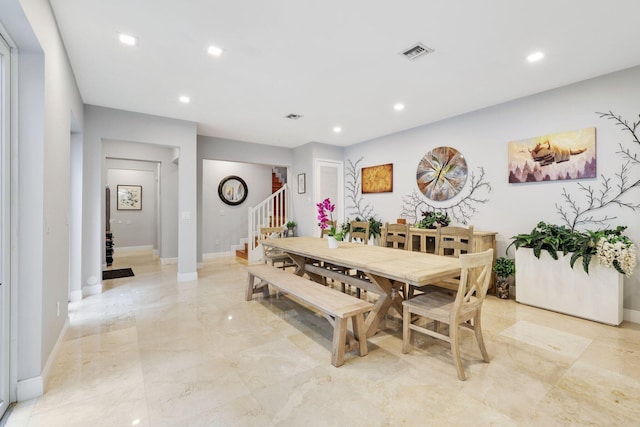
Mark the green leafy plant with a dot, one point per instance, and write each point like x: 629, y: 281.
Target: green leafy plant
x: 375, y: 227
x: 431, y: 218
x: 504, y: 267
x: 554, y: 238
x: 291, y: 224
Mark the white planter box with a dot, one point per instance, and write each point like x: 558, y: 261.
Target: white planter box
x: 554, y: 285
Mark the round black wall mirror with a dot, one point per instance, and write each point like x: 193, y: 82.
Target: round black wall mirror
x: 232, y: 190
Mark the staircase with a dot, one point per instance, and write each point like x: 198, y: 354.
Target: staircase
x: 271, y: 212
x: 243, y: 253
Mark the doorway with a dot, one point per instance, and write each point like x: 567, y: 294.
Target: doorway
x: 5, y: 223
x: 329, y: 182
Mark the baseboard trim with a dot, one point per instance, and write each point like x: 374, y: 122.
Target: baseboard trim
x: 30, y: 388
x: 167, y: 261
x: 134, y: 248
x: 89, y: 290
x: 212, y: 255
x: 187, y: 277
x: 34, y: 387
x: 631, y: 315
x: 75, y: 295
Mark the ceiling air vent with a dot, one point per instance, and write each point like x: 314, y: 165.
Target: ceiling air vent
x: 416, y: 51
x: 293, y: 116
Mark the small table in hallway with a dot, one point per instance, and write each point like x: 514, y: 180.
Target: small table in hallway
x: 384, y: 267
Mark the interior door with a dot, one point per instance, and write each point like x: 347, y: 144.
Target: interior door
x: 329, y: 182
x: 5, y: 103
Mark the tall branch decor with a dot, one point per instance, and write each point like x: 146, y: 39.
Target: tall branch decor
x: 414, y: 204
x: 354, y: 196
x: 612, y: 191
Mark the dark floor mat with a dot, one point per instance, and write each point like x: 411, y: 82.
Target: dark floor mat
x: 117, y: 274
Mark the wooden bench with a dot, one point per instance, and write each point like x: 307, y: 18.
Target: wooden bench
x: 336, y: 307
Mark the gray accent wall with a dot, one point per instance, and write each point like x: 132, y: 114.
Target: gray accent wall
x: 129, y: 130
x: 224, y: 226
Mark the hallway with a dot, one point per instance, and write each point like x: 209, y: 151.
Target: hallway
x: 150, y: 351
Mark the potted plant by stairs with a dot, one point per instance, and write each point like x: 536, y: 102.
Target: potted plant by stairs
x: 291, y: 228
x: 504, y: 268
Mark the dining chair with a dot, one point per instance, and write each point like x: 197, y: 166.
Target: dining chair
x: 359, y: 231
x: 464, y: 310
x: 272, y: 255
x: 449, y: 241
x: 396, y: 236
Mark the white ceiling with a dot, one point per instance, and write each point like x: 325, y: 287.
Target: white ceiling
x: 336, y: 62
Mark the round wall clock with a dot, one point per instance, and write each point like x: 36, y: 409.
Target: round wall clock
x: 441, y: 173
x: 232, y: 190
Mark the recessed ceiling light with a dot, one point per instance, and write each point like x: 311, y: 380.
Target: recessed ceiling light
x: 128, y: 39
x: 214, y: 50
x: 398, y: 107
x: 536, y: 56
x: 337, y: 129
x: 184, y: 99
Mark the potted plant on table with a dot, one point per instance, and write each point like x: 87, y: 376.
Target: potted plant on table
x: 325, y: 218
x: 504, y: 268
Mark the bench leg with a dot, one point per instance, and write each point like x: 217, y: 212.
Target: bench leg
x: 262, y: 286
x: 249, y: 292
x: 361, y: 333
x: 339, y: 341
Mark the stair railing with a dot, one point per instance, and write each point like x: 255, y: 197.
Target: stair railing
x: 271, y: 212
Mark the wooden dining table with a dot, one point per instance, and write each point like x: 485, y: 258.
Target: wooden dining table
x: 385, y: 269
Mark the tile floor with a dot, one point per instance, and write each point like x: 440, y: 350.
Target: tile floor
x: 150, y: 351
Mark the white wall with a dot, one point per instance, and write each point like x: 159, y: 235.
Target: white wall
x: 133, y: 228
x: 47, y: 97
x: 222, y: 225
x: 482, y: 137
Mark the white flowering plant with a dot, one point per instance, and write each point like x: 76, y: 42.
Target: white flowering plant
x: 617, y: 251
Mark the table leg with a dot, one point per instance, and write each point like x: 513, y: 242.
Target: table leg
x: 300, y: 263
x: 389, y: 297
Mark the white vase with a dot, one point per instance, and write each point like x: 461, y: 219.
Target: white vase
x: 554, y: 285
x: 333, y: 243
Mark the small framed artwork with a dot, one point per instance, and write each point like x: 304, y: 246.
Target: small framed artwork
x: 233, y: 190
x: 129, y: 198
x: 377, y: 179
x: 302, y: 183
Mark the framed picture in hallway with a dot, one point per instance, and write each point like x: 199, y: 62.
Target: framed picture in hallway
x: 302, y: 183
x: 129, y: 198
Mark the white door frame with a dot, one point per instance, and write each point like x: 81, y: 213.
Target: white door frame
x: 6, y: 86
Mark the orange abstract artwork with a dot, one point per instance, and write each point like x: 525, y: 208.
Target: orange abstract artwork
x: 377, y: 179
